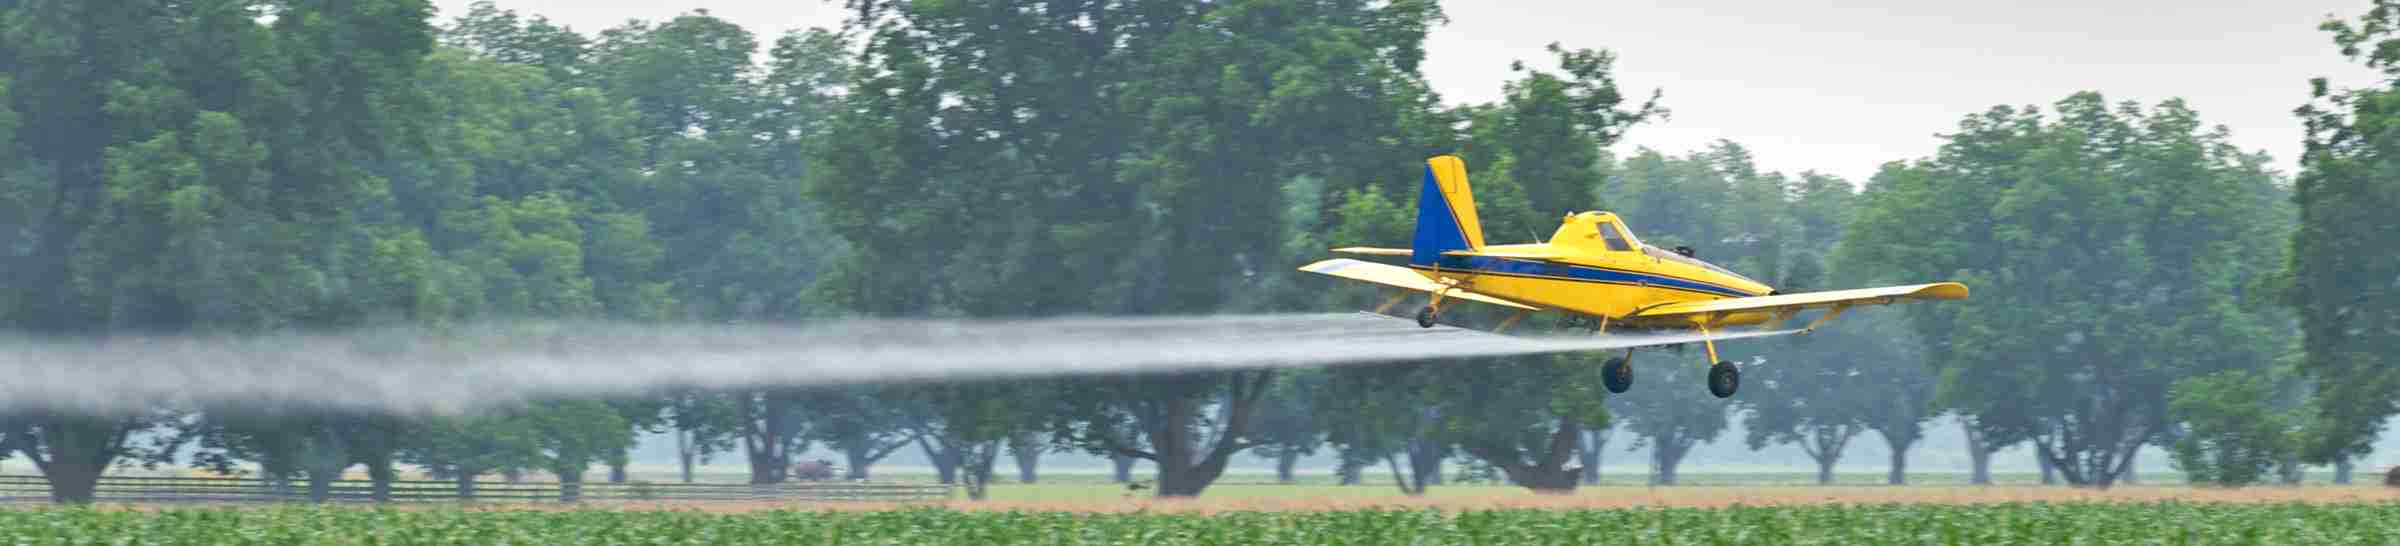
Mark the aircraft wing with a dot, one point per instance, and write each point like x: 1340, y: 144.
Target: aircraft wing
x: 1809, y: 300
x: 1372, y: 251
x: 1401, y: 277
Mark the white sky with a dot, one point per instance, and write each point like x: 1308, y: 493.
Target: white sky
x: 1833, y: 86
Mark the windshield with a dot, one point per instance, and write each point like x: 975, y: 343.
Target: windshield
x: 1670, y: 255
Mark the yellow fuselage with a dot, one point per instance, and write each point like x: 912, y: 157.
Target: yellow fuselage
x: 1594, y: 266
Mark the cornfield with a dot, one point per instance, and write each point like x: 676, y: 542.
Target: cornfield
x: 2031, y: 523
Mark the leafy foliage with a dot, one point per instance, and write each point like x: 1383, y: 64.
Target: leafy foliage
x: 2110, y: 246
x: 2343, y: 282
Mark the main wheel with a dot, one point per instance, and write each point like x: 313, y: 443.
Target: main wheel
x: 1724, y: 378
x: 1425, y: 317
x: 1617, y: 375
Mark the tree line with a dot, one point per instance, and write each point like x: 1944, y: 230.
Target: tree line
x: 239, y: 166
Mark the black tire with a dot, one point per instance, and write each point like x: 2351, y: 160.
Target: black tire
x: 1617, y: 375
x: 1724, y: 378
x: 1425, y: 317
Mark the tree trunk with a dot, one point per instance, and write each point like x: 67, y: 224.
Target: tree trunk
x: 2049, y: 473
x: 1424, y: 464
x: 1410, y: 487
x: 945, y: 458
x: 1027, y: 449
x: 1186, y: 468
x: 1593, y: 442
x: 2130, y: 476
x: 1979, y: 457
x: 381, y: 474
x: 1825, y: 470
x: 859, y: 461
x: 1664, y: 456
x: 1548, y: 471
x: 2288, y: 471
x: 1284, y: 462
x: 570, y: 484
x: 320, y: 487
x: 685, y: 452
x: 2341, y: 471
x: 72, y: 453
x: 72, y: 484
x: 1350, y: 472
x: 762, y: 415
x: 1899, y: 472
x: 976, y: 468
x: 466, y: 483
x: 616, y: 471
x: 1123, y: 468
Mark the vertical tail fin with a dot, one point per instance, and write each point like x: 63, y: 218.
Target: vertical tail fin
x: 1445, y: 212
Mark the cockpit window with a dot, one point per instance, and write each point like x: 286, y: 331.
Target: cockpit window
x: 1671, y: 256
x: 1616, y: 241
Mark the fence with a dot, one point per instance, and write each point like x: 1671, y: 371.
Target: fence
x: 132, y: 489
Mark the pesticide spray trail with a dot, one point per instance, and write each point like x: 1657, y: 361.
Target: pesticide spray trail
x: 447, y: 371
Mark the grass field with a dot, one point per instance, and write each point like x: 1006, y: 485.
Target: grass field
x: 1287, y: 497
x: 2013, y: 523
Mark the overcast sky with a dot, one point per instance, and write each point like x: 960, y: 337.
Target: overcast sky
x: 1834, y: 86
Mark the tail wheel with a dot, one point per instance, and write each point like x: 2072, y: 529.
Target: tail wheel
x: 1724, y: 378
x: 1425, y: 317
x: 1617, y: 375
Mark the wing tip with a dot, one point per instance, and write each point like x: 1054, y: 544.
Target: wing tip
x: 1942, y: 291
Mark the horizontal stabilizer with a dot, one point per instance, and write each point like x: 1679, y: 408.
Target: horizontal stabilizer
x: 1372, y: 251
x: 1401, y: 277
x: 1810, y: 300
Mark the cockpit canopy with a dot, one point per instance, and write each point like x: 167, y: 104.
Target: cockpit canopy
x: 1611, y: 234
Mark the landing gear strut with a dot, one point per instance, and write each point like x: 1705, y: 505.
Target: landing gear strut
x: 1426, y: 316
x: 1723, y: 377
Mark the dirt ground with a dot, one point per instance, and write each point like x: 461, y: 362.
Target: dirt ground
x: 1608, y: 497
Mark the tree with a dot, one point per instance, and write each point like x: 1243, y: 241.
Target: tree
x: 703, y: 425
x: 288, y: 442
x: 1027, y: 447
x: 1380, y: 415
x: 201, y: 172
x: 771, y: 430
x: 1808, y: 393
x: 2029, y: 209
x: 864, y: 423
x: 1141, y: 173
x: 974, y: 419
x: 2337, y: 266
x: 573, y: 434
x: 1669, y: 413
x: 1595, y: 442
x: 73, y: 450
x: 2234, y: 433
x: 1288, y: 428
x: 463, y: 447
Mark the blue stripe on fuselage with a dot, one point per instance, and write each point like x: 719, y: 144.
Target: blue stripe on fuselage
x: 1504, y: 266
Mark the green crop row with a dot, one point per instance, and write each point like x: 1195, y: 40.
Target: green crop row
x: 2037, y: 523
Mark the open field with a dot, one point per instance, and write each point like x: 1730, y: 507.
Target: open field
x: 2010, y: 523
x: 1281, y: 498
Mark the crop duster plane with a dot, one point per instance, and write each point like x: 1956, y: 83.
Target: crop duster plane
x: 1595, y: 270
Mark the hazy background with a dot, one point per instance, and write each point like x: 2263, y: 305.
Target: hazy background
x: 1837, y: 87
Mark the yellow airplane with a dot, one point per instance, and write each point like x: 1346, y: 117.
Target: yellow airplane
x: 1592, y: 268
